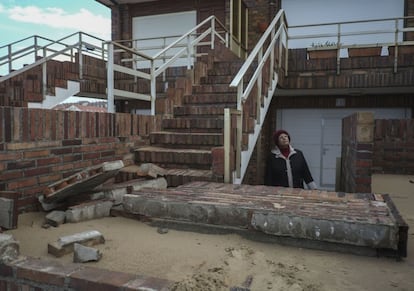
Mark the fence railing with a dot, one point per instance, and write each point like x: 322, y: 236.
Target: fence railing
x: 15, y: 57
x: 183, y: 48
x: 260, y: 70
x: 26, y: 54
x: 344, y: 36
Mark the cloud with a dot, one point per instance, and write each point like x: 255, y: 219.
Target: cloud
x: 82, y: 20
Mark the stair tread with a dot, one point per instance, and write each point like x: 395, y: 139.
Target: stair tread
x: 188, y: 172
x: 165, y: 149
x: 187, y: 133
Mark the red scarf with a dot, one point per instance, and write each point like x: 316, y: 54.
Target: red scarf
x: 285, y: 152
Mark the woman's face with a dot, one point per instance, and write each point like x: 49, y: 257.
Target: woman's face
x: 283, y: 140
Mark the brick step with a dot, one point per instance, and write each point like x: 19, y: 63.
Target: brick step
x: 210, y: 98
x: 174, y: 158
x: 214, y: 88
x: 213, y: 79
x: 202, y: 111
x: 186, y: 139
x: 194, y: 124
x: 176, y: 177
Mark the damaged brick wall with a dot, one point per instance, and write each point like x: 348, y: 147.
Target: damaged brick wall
x: 369, y: 146
x: 39, y: 147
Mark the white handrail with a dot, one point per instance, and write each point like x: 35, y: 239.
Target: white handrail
x: 261, y: 58
x: 178, y: 50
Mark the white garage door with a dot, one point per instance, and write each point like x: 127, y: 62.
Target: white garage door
x: 318, y: 133
x: 155, y: 32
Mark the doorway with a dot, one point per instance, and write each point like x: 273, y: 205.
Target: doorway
x: 239, y: 27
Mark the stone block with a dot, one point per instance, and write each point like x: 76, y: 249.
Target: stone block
x: 83, y: 254
x: 365, y: 117
x: 365, y: 133
x: 65, y: 245
x: 56, y: 218
x: 88, y: 211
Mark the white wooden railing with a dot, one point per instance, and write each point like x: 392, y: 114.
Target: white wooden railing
x: 345, y: 35
x: 261, y: 67
x: 184, y: 47
x: 23, y: 55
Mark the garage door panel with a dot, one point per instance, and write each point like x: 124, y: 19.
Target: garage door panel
x: 318, y: 133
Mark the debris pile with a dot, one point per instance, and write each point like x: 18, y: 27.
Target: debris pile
x: 94, y: 191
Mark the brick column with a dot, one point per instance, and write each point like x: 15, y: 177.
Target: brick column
x: 357, y: 152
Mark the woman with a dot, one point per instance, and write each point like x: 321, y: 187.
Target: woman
x: 287, y: 166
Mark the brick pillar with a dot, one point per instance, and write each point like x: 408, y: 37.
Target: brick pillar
x: 357, y: 152
x: 409, y: 11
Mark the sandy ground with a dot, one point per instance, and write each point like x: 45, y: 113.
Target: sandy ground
x: 219, y: 262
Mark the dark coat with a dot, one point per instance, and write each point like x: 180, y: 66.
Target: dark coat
x: 277, y: 169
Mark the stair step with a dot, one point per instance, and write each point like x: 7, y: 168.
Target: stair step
x: 214, y: 88
x: 174, y: 158
x: 194, y: 124
x: 210, y: 98
x: 213, y: 79
x: 208, y: 110
x: 225, y: 68
x: 176, y: 177
x: 182, y: 139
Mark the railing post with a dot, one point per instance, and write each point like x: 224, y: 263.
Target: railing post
x: 239, y: 141
x: 396, y: 46
x: 110, y: 78
x: 259, y: 86
x: 35, y: 45
x: 189, y: 52
x: 153, y: 87
x: 9, y: 52
x: 44, y: 79
x: 213, y: 32
x: 338, y: 51
x: 227, y: 145
x: 80, y: 57
x: 287, y: 50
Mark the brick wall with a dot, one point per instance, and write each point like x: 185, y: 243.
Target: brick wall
x: 374, y: 146
x: 39, y: 147
x: 34, y: 274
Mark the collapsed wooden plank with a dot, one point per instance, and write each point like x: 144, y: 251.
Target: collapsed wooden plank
x: 81, y: 182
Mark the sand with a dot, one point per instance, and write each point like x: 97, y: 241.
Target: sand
x: 199, y: 261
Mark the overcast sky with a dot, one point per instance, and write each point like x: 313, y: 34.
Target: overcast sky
x: 52, y: 18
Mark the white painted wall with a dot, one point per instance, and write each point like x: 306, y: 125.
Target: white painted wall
x: 305, y: 12
x: 164, y: 28
x: 318, y: 133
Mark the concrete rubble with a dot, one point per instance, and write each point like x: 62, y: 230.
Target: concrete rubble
x: 9, y: 248
x: 91, y: 193
x: 65, y: 245
x: 83, y: 254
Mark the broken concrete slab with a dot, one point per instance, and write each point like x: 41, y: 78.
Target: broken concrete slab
x: 117, y: 191
x: 64, y: 245
x: 146, y: 170
x: 81, y: 182
x: 360, y: 220
x: 56, y: 218
x: 9, y: 248
x: 83, y: 254
x: 88, y: 211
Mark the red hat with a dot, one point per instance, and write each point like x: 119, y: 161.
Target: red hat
x: 277, y: 133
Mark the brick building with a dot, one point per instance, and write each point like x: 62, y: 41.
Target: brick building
x: 39, y: 146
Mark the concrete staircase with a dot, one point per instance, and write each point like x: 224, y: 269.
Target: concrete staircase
x: 190, y: 144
